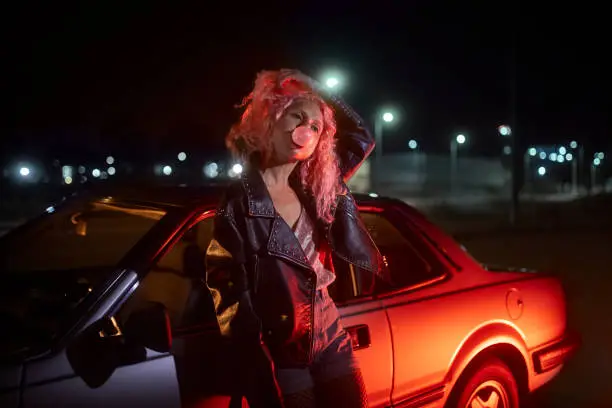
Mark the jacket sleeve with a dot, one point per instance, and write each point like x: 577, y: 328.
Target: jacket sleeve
x: 226, y: 278
x: 355, y: 141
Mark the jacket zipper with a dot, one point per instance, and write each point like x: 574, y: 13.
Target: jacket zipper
x: 312, y: 318
x: 255, y: 274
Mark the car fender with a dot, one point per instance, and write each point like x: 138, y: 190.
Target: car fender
x: 481, y: 338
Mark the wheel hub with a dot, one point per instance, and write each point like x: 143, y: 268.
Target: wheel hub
x: 490, y: 394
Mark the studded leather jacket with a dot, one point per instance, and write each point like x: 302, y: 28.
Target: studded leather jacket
x: 262, y: 285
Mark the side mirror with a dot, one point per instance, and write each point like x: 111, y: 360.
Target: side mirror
x: 96, y: 352
x: 149, y: 326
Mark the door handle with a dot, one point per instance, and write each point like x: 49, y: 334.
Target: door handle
x: 360, y: 336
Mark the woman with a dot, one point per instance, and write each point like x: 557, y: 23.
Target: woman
x: 269, y: 263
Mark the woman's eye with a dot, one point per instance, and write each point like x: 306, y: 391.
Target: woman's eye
x: 315, y: 128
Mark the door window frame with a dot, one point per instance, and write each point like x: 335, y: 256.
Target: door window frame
x: 404, y: 225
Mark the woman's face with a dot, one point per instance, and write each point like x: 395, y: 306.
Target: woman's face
x: 296, y: 133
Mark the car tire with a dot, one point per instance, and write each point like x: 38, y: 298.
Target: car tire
x: 489, y: 384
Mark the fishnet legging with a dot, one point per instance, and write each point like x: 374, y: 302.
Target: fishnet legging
x: 346, y: 392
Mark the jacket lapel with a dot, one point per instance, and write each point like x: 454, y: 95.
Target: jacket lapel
x: 282, y: 241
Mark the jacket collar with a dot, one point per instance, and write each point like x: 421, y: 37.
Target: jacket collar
x: 259, y: 201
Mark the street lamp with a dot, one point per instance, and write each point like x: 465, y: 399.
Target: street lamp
x: 597, y: 159
x: 504, y: 130
x: 576, y: 164
x: 380, y: 120
x: 333, y: 80
x: 455, y: 142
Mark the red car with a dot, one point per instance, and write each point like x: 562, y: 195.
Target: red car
x: 87, y: 288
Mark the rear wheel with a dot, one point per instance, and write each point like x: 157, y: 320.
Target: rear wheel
x: 490, y: 384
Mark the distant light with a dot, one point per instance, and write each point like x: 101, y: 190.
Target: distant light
x: 387, y: 117
x: 110, y: 160
x: 573, y: 144
x: 542, y: 170
x: 504, y: 130
x: 82, y: 170
x: 569, y: 157
x: 461, y: 139
x: 167, y: 170
x: 24, y: 172
x: 562, y: 150
x: 413, y: 144
x: 552, y: 157
x: 507, y: 150
x: 211, y: 170
x: 332, y: 82
x: 68, y: 180
x: 237, y: 168
x: 601, y: 155
x: 532, y: 151
x: 560, y: 158
x: 67, y: 171
x: 111, y: 171
x: 50, y: 209
x: 543, y: 155
x: 96, y: 173
x: 182, y: 156
x: 596, y: 161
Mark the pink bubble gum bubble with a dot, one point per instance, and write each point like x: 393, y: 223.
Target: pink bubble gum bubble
x: 302, y: 135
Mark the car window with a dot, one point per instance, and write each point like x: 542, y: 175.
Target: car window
x: 50, y: 266
x: 408, y: 259
x: 178, y: 280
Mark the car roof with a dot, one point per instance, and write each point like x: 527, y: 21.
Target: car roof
x: 187, y: 195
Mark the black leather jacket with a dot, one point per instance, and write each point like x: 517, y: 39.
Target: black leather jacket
x: 262, y: 284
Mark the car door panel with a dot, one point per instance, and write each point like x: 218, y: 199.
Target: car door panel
x: 420, y: 335
x: 10, y: 378
x: 375, y: 358
x: 52, y: 381
x: 149, y: 383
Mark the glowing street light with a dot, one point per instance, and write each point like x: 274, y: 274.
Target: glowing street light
x: 541, y: 171
x: 460, y: 139
x: 382, y: 118
x: 167, y: 170
x: 182, y: 156
x: 24, y: 171
x: 597, y: 159
x: 504, y: 130
x: 110, y: 160
x: 332, y: 82
x: 387, y: 117
x: 413, y: 144
x: 532, y: 151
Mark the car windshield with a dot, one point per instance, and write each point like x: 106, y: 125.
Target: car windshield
x: 49, y: 266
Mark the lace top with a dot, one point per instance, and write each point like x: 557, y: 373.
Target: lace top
x: 317, y: 255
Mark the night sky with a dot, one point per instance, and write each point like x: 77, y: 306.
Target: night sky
x: 147, y: 79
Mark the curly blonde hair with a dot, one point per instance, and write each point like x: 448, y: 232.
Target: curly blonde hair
x: 273, y: 93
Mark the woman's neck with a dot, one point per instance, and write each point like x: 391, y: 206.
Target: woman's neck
x: 277, y: 176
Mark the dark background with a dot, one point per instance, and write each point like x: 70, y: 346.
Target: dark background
x: 83, y: 78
